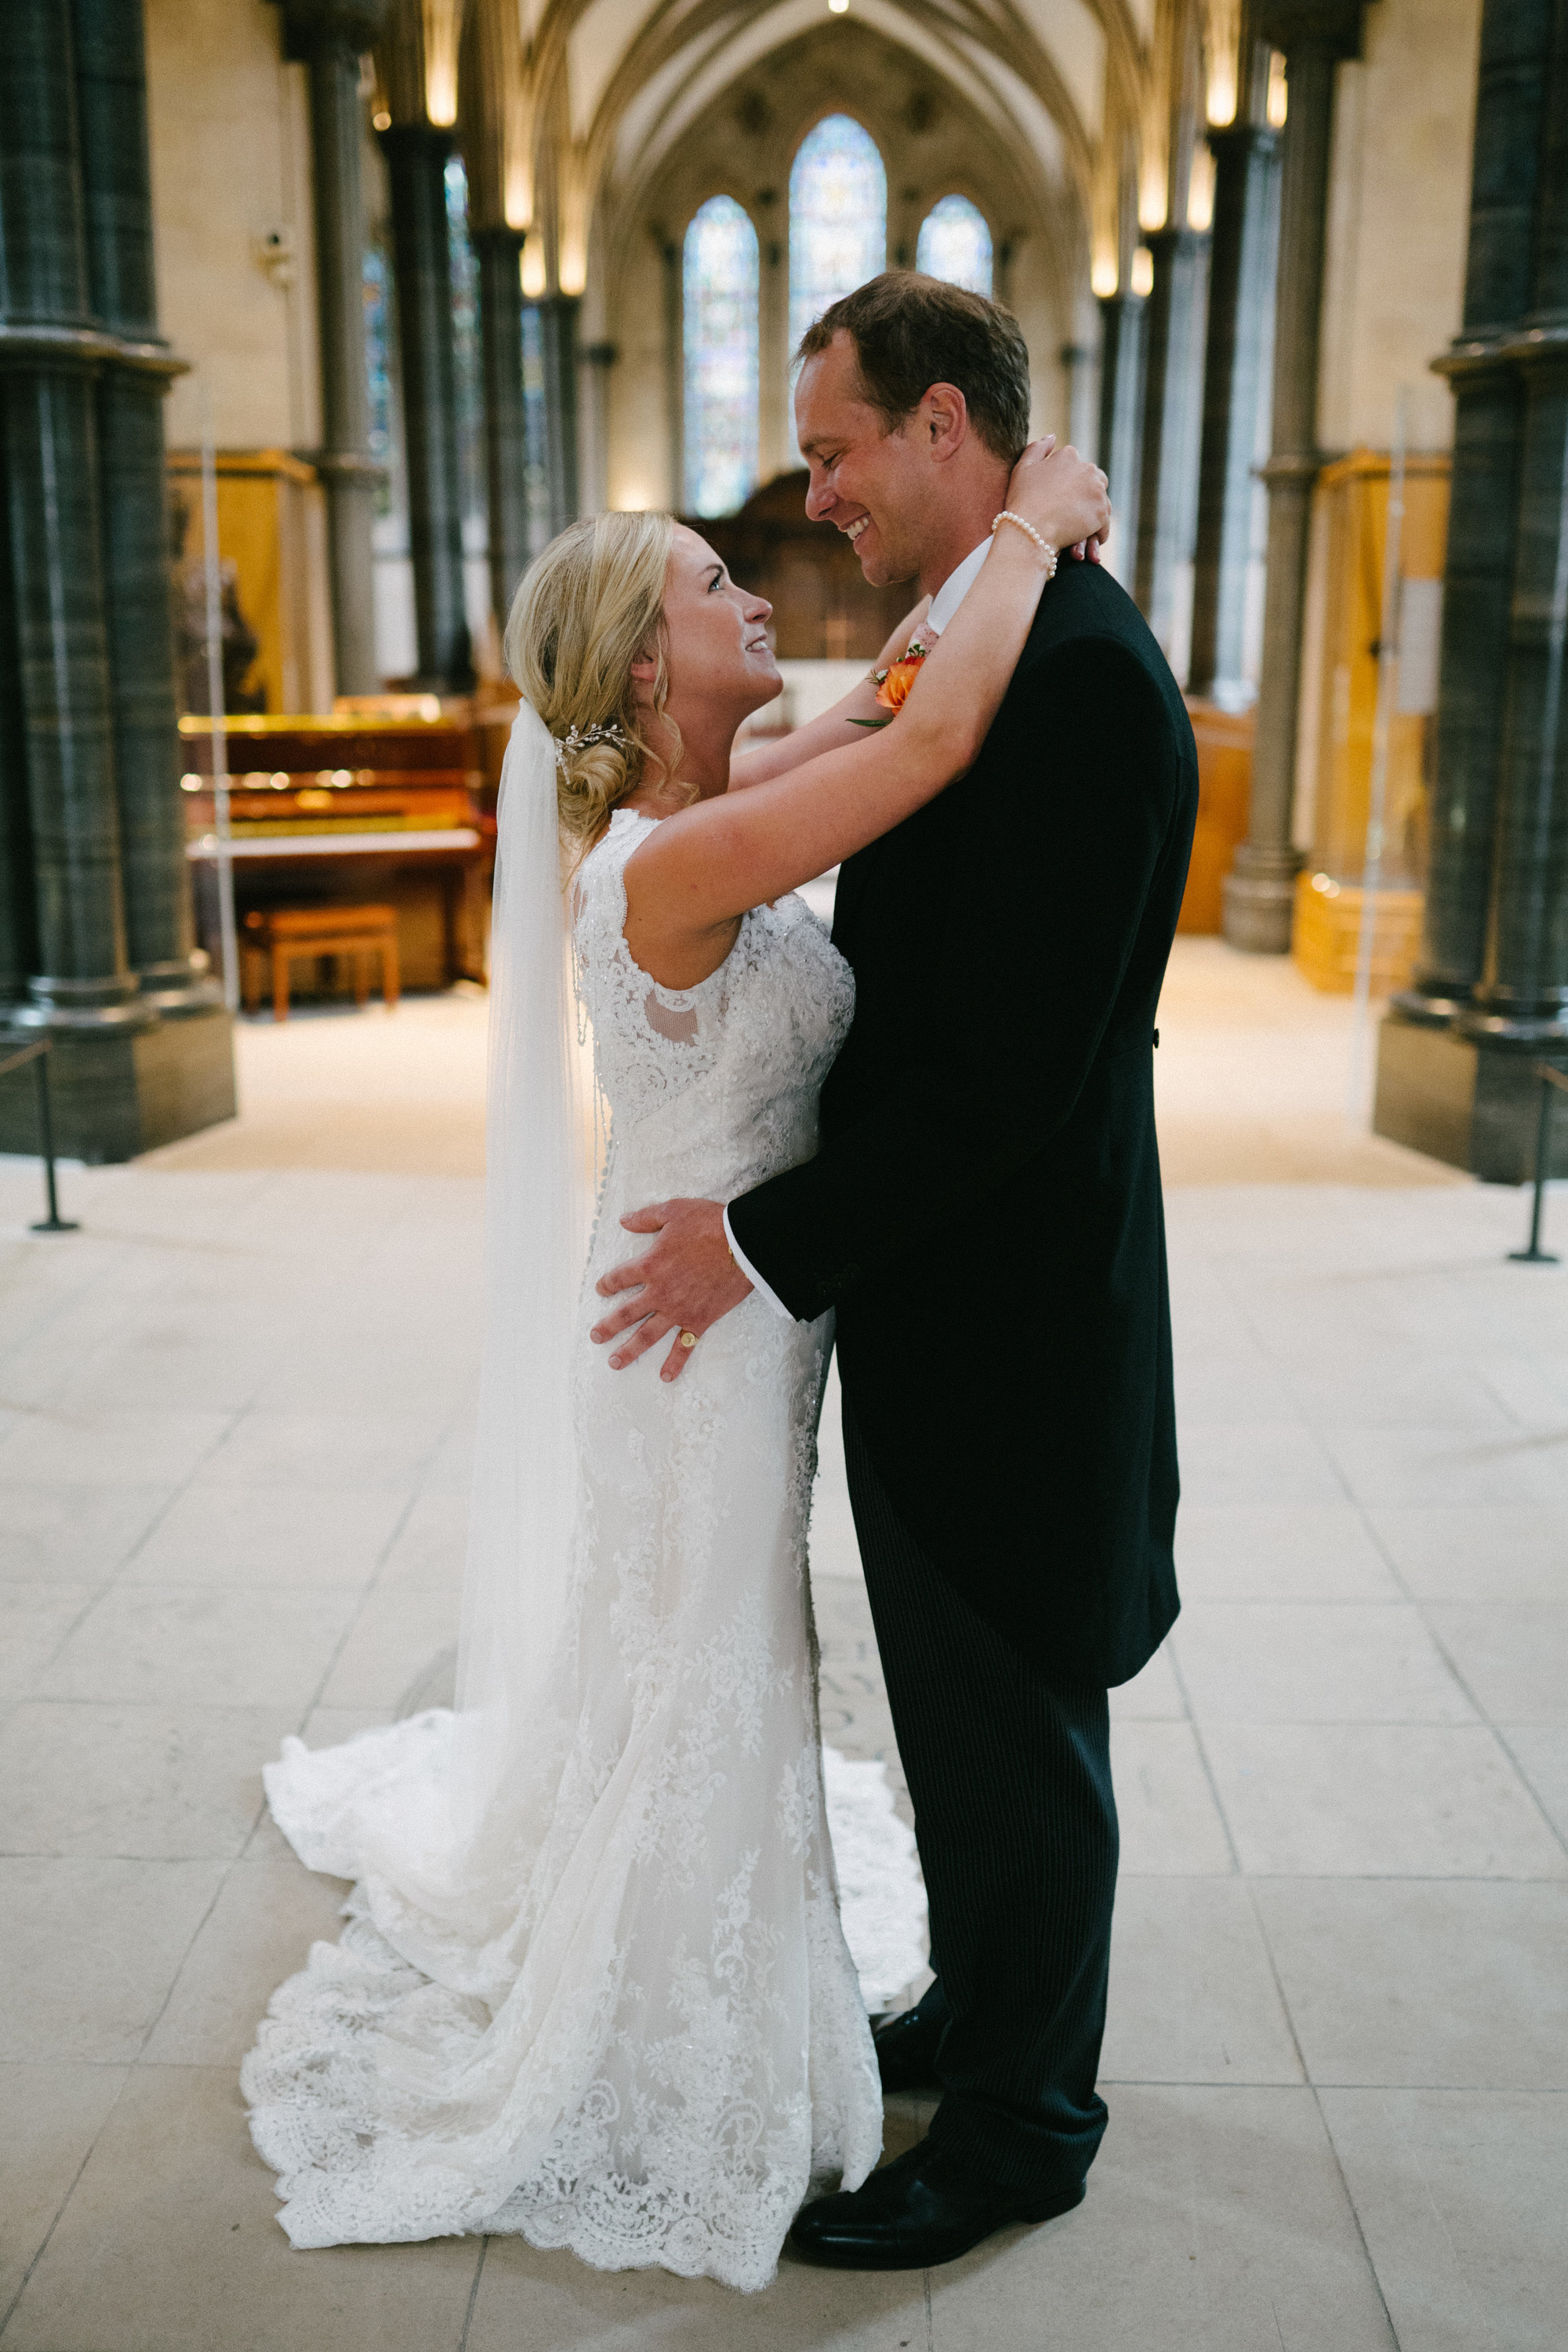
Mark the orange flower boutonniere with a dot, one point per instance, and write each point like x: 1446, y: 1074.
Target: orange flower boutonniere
x: 893, y: 683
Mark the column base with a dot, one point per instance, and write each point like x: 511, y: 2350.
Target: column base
x: 1258, y: 896
x: 1459, y: 1098
x: 117, y: 1092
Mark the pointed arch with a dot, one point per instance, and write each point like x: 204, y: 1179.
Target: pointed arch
x: 838, y: 217
x: 954, y: 243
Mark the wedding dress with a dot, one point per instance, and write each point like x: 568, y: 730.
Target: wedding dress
x: 635, y: 2030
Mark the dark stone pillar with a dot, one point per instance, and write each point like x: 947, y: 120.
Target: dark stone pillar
x: 111, y: 96
x: 1121, y: 414
x: 1241, y: 272
x: 1259, y: 890
x: 557, y: 315
x: 416, y: 162
x: 1483, y: 508
x: 1523, y: 999
x: 1171, y: 420
x: 499, y: 255
x: 89, y: 761
x: 329, y: 39
x: 52, y: 356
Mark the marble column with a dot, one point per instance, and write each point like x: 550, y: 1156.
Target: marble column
x: 557, y: 316
x: 1522, y: 1001
x: 1241, y: 271
x: 1483, y: 509
x: 1172, y: 415
x: 329, y: 35
x: 1121, y: 418
x: 111, y: 98
x: 52, y: 354
x: 417, y: 155
x: 1259, y: 890
x: 18, y: 920
x: 499, y: 251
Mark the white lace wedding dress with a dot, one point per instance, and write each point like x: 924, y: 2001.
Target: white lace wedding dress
x: 645, y: 2042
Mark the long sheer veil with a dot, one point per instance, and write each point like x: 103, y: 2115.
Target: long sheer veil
x: 539, y: 1129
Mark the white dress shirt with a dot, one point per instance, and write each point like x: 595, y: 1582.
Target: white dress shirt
x: 943, y: 605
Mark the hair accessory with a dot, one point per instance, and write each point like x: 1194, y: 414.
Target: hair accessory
x: 1046, y: 550
x: 578, y: 739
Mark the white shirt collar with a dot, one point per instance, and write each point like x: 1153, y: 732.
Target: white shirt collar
x: 955, y: 588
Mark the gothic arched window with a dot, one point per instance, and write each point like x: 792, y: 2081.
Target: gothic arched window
x: 719, y: 309
x: 955, y: 244
x: 838, y: 218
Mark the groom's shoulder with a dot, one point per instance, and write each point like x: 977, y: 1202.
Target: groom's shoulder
x: 1083, y: 604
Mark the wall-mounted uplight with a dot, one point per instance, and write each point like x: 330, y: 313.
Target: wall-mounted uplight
x: 381, y: 119
x: 1143, y: 270
x: 1220, y: 104
x: 1102, y: 275
x: 1200, y: 189
x: 533, y: 266
x: 838, y: 7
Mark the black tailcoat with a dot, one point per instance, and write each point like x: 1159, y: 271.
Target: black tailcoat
x: 985, y: 1208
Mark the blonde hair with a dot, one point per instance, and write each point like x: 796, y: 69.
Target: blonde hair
x: 584, y: 612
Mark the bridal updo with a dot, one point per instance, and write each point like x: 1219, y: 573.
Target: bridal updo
x: 584, y: 612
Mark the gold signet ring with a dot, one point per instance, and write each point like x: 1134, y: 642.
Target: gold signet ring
x: 689, y: 1338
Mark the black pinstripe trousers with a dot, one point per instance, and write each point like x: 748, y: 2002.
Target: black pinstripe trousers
x: 1017, y: 1824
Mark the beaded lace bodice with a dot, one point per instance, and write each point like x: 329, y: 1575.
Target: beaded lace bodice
x: 640, y: 2035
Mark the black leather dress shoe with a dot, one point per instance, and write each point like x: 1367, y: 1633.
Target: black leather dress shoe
x: 906, y: 2051
x: 916, y: 2211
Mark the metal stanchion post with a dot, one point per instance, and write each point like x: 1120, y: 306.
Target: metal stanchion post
x: 1535, y: 1254
x: 53, y: 1223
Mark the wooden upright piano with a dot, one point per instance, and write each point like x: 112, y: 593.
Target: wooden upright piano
x: 351, y: 808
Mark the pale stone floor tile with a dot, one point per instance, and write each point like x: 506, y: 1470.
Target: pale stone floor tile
x: 1514, y: 1658
x: 1314, y: 1662
x: 1461, y: 2196
x: 1476, y: 1551
x: 175, y: 1354
x: 451, y: 1468
x: 202, y: 1644
x: 1236, y: 1389
x: 1193, y: 1995
x: 555, y: 2303
x: 50, y: 2116
x: 128, y: 1446
x: 1215, y: 2221
x: 35, y: 1620
x: 428, y: 1551
x: 269, y: 1911
x: 1272, y: 1552
x: 1170, y: 1822
x: 1444, y: 1466
x: 323, y: 1449
x: 393, y: 1638
x: 319, y: 1372
x: 169, y: 2244
x: 1541, y: 1751
x: 1533, y: 1390
x: 79, y: 1535
x: 1154, y: 1695
x: 1269, y: 1462
x: 329, y: 1727
x: 1449, y: 1982
x: 89, y: 1950
x: 152, y: 1782
x: 1378, y: 1800
x: 1398, y: 1395
x: 270, y: 1535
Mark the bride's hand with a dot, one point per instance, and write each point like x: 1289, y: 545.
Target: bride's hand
x: 1062, y: 495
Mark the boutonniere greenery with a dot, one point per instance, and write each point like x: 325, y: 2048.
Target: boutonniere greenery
x: 893, y: 684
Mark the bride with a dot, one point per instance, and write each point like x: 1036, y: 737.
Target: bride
x: 594, y: 1989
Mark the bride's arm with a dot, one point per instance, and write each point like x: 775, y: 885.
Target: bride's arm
x: 700, y: 870
x: 831, y: 728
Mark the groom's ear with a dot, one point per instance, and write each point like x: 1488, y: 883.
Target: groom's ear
x: 944, y: 419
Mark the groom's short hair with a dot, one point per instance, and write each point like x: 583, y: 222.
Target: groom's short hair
x: 910, y: 331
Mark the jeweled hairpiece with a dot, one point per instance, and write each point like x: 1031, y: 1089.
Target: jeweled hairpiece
x: 578, y: 739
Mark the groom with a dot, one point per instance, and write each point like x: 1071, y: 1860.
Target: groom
x: 984, y: 1214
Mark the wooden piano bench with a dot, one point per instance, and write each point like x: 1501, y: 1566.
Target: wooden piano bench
x: 281, y: 933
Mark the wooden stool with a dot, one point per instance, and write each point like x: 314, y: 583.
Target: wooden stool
x: 282, y: 932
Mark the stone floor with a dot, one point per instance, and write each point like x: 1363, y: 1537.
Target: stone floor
x: 233, y: 1423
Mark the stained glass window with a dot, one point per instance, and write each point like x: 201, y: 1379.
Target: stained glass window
x: 955, y: 244
x: 719, y: 308
x: 380, y: 363
x: 838, y: 218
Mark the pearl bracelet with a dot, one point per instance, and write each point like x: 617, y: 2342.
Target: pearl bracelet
x: 1046, y: 550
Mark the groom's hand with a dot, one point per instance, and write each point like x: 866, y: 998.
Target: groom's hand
x: 685, y: 1282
